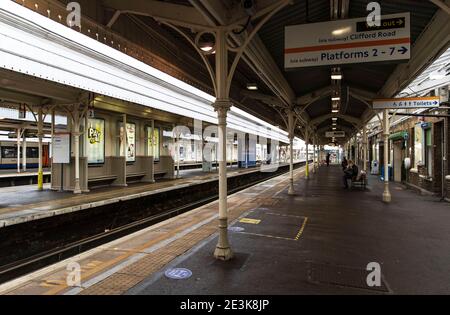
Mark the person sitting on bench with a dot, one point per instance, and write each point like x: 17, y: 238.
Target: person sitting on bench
x: 350, y: 173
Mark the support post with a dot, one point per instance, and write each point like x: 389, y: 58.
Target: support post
x: 223, y: 250
x: 386, y: 193
x: 40, y: 136
x: 314, y: 155
x: 152, y: 151
x: 365, y: 149
x: 307, y: 153
x: 24, y: 151
x: 291, y: 128
x: 19, y: 135
x: 444, y: 159
x: 222, y: 105
x: 76, y: 134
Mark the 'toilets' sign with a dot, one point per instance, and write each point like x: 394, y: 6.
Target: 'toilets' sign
x: 411, y: 102
x: 348, y: 41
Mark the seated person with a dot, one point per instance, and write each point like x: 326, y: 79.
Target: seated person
x: 351, y: 172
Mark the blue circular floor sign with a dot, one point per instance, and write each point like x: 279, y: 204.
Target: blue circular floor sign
x: 236, y: 229
x: 178, y: 273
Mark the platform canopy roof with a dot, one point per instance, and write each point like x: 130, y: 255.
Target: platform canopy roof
x: 307, y: 90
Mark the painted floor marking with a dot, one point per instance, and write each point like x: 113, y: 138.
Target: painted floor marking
x: 250, y: 221
x: 297, y: 237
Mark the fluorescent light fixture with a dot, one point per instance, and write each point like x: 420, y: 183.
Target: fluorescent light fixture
x: 252, y: 86
x: 335, y: 111
x: 206, y: 48
x: 437, y: 75
x: 334, y: 128
x: 334, y: 118
x: 341, y: 31
x: 336, y: 77
x: 336, y: 98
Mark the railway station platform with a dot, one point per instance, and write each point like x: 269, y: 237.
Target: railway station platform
x: 25, y: 203
x: 316, y: 242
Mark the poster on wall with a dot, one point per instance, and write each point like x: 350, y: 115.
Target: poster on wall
x: 95, y: 141
x: 131, y: 141
x: 153, y: 141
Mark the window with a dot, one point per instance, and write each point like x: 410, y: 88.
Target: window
x: 33, y: 153
x: 418, y: 147
x: 9, y: 152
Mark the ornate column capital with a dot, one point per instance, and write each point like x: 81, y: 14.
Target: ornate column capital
x: 222, y: 107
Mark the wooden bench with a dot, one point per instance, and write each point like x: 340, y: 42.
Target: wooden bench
x: 102, y: 178
x: 136, y: 174
x: 361, y: 182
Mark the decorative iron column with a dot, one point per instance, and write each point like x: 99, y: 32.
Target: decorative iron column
x: 386, y: 194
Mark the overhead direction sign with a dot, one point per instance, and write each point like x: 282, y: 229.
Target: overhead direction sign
x: 407, y: 102
x: 348, y: 41
x: 335, y: 134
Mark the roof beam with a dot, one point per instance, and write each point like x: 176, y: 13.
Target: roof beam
x: 15, y: 97
x: 354, y: 121
x: 180, y: 15
x: 267, y: 99
x: 434, y: 40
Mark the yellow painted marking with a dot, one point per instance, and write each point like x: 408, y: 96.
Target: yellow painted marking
x: 250, y: 221
x: 269, y: 236
x: 300, y: 232
x: 51, y: 283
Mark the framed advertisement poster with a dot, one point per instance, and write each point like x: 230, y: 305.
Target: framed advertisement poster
x: 95, y: 146
x: 131, y: 141
x: 153, y: 143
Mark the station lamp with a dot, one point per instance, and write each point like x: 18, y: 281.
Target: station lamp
x: 336, y: 74
x: 252, y: 86
x: 206, y: 42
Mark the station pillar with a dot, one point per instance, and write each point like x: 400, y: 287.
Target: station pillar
x: 19, y: 135
x: 365, y: 149
x: 24, y: 152
x: 40, y: 136
x: 386, y: 193
x: 76, y: 134
x: 222, y: 106
x: 291, y: 126
x: 307, y: 153
x: 314, y: 155
x: 223, y: 250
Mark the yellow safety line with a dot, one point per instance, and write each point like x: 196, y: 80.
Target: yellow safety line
x: 270, y: 236
x: 301, y: 229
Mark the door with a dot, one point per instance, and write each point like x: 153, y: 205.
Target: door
x: 398, y: 161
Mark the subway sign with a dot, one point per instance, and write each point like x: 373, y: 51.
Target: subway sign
x: 407, y: 102
x: 348, y: 41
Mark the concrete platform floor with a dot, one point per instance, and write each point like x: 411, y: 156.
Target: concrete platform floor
x: 321, y: 241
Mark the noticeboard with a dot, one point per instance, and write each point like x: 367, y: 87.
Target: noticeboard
x: 408, y: 102
x: 61, y: 148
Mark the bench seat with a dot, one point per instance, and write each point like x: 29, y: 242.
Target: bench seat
x: 102, y: 178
